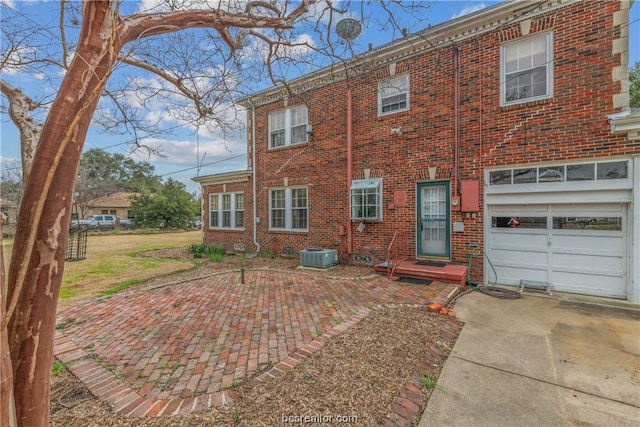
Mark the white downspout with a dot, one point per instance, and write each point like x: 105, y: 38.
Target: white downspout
x: 634, y: 292
x: 253, y: 174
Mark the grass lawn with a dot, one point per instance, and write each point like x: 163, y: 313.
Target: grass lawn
x: 116, y: 261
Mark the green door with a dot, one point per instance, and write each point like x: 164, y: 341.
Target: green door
x: 433, y: 219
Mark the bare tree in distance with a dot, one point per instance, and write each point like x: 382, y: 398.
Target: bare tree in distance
x: 112, y: 64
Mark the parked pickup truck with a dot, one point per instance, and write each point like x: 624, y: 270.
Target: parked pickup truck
x: 105, y: 222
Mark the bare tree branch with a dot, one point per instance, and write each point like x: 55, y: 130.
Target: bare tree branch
x: 63, y: 38
x: 20, y: 105
x: 202, y: 110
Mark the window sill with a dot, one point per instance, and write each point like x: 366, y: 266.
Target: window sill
x: 281, y: 231
x: 392, y: 113
x: 237, y: 230
x: 525, y: 104
x: 285, y: 147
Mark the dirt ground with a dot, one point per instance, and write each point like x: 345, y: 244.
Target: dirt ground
x: 357, y: 374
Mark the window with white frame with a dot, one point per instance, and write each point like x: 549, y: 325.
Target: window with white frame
x: 226, y: 210
x: 239, y: 211
x: 527, y: 69
x: 288, y: 209
x: 288, y: 126
x: 393, y: 95
x: 366, y: 199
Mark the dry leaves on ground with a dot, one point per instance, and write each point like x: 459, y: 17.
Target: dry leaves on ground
x: 357, y: 374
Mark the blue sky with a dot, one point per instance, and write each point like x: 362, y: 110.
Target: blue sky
x: 222, y: 154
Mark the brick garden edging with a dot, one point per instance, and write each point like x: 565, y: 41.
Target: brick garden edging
x: 106, y: 386
x: 408, y: 405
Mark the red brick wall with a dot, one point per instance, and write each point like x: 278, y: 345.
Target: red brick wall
x: 228, y: 237
x: 570, y: 125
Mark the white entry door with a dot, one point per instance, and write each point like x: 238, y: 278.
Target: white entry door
x: 433, y: 219
x: 579, y: 248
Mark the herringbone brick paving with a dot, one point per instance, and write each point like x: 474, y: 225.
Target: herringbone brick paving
x: 184, y: 344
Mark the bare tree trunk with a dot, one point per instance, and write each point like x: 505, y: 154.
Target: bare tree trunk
x: 43, y: 223
x: 7, y: 402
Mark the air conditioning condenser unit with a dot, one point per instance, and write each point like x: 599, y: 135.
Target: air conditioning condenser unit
x: 318, y: 258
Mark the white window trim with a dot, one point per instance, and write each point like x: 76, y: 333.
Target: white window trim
x: 408, y: 83
x: 288, y: 126
x: 219, y: 226
x: 549, y: 70
x: 361, y: 184
x: 288, y: 217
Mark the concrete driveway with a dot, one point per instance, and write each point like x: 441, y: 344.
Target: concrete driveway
x: 539, y: 361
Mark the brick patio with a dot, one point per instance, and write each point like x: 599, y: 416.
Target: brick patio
x: 182, y: 347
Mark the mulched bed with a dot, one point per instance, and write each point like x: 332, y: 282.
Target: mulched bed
x: 360, y: 373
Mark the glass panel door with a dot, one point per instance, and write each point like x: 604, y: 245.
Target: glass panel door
x: 433, y: 219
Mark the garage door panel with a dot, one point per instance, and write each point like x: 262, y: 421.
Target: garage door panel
x: 580, y: 262
x: 520, y: 256
x: 521, y: 240
x: 589, y: 243
x: 580, y: 248
x: 511, y: 275
x: 589, y: 283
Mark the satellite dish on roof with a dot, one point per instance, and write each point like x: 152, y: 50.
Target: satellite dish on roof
x: 348, y: 28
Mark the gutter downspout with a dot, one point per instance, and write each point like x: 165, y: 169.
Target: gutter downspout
x: 456, y: 108
x: 254, y: 170
x: 349, y: 169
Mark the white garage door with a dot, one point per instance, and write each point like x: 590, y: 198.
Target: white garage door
x: 579, y: 248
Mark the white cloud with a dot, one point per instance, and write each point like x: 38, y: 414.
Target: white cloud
x: 469, y: 8
x: 214, y: 154
x: 8, y: 3
x: 159, y: 6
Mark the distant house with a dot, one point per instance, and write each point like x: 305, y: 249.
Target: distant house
x: 10, y: 209
x: 113, y: 204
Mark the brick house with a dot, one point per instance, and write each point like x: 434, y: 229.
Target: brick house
x: 506, y: 132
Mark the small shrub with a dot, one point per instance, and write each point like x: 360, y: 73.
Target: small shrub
x: 216, y: 257
x: 266, y: 253
x: 206, y: 249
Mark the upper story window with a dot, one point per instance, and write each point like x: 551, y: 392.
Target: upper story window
x: 288, y: 209
x: 393, y: 95
x: 226, y: 210
x: 288, y: 126
x: 366, y: 199
x: 527, y: 70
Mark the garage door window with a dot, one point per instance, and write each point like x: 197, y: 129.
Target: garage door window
x: 612, y: 170
x: 561, y: 173
x: 524, y: 176
x: 539, y: 222
x: 584, y: 172
x: 587, y: 223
